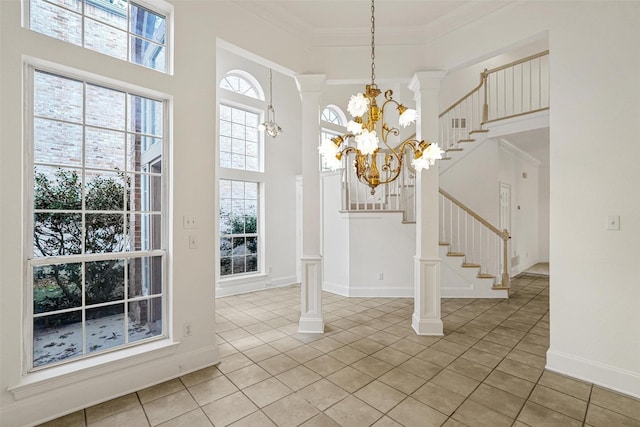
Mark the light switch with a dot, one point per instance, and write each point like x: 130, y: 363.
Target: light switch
x: 613, y: 222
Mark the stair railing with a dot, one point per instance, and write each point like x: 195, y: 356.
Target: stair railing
x: 511, y: 90
x: 395, y: 196
x: 483, y: 245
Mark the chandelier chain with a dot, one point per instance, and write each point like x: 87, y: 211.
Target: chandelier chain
x: 373, y: 44
x: 270, y: 87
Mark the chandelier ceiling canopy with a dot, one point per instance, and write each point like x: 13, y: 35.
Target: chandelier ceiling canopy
x: 368, y: 127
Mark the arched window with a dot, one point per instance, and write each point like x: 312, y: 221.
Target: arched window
x: 240, y: 155
x: 333, y: 114
x: 333, y: 123
x: 243, y: 83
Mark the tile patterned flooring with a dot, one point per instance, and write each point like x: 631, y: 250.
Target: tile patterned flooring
x: 371, y: 369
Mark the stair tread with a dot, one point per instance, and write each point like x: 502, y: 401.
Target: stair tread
x: 486, y: 276
x: 453, y: 149
x: 466, y: 140
x: 479, y: 131
x: 445, y: 158
x: 455, y: 254
x: 444, y: 243
x: 470, y: 265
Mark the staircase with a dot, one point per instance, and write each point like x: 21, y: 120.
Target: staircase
x: 474, y: 252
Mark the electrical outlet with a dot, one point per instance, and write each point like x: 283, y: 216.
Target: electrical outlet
x: 193, y: 242
x: 188, y: 222
x: 186, y: 330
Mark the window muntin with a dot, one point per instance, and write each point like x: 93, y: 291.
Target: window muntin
x: 238, y: 227
x: 118, y: 28
x: 242, y: 83
x: 239, y: 139
x: 97, y: 261
x: 333, y: 114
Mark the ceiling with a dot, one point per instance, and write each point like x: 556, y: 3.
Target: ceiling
x: 347, y: 22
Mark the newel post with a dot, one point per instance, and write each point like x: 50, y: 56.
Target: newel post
x: 505, y: 259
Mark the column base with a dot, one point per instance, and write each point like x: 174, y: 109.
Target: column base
x: 432, y: 327
x: 311, y: 321
x: 311, y: 326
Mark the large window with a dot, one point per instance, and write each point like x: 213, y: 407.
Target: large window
x: 96, y: 234
x: 238, y: 227
x: 119, y: 28
x: 239, y: 139
x: 241, y: 165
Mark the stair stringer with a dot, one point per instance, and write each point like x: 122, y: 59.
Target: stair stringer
x: 463, y: 282
x: 495, y: 129
x: 467, y: 147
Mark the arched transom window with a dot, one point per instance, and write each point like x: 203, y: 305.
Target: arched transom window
x: 333, y: 114
x: 242, y: 83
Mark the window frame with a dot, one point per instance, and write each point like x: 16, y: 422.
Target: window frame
x: 257, y: 106
x: 159, y: 7
x: 249, y: 78
x: 258, y: 234
x: 31, y: 67
x: 261, y: 139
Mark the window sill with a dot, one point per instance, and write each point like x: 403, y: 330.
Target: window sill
x: 46, y: 380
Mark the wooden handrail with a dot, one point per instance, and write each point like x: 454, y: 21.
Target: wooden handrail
x: 504, y: 235
x: 483, y: 79
x: 519, y: 61
x: 474, y: 215
x: 458, y: 102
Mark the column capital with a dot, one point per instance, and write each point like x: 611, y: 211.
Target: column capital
x: 310, y: 82
x: 426, y: 80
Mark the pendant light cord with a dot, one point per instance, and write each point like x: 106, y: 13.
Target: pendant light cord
x: 373, y: 44
x: 270, y: 87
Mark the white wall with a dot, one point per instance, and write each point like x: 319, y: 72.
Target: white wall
x: 359, y: 247
x: 595, y: 321
x: 335, y: 244
x: 595, y: 96
x: 461, y: 180
x: 520, y: 172
x: 543, y: 213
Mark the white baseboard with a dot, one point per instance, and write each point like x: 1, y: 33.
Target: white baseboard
x: 85, y: 392
x: 245, y: 285
x: 607, y: 376
x: 369, y: 292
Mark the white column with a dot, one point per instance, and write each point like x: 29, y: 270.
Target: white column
x: 310, y: 86
x: 426, y: 318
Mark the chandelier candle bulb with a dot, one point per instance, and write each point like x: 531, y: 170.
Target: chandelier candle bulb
x: 368, y: 135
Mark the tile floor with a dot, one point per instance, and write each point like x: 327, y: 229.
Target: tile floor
x: 370, y: 368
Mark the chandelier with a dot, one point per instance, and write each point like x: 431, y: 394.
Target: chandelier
x: 269, y: 125
x: 368, y: 127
